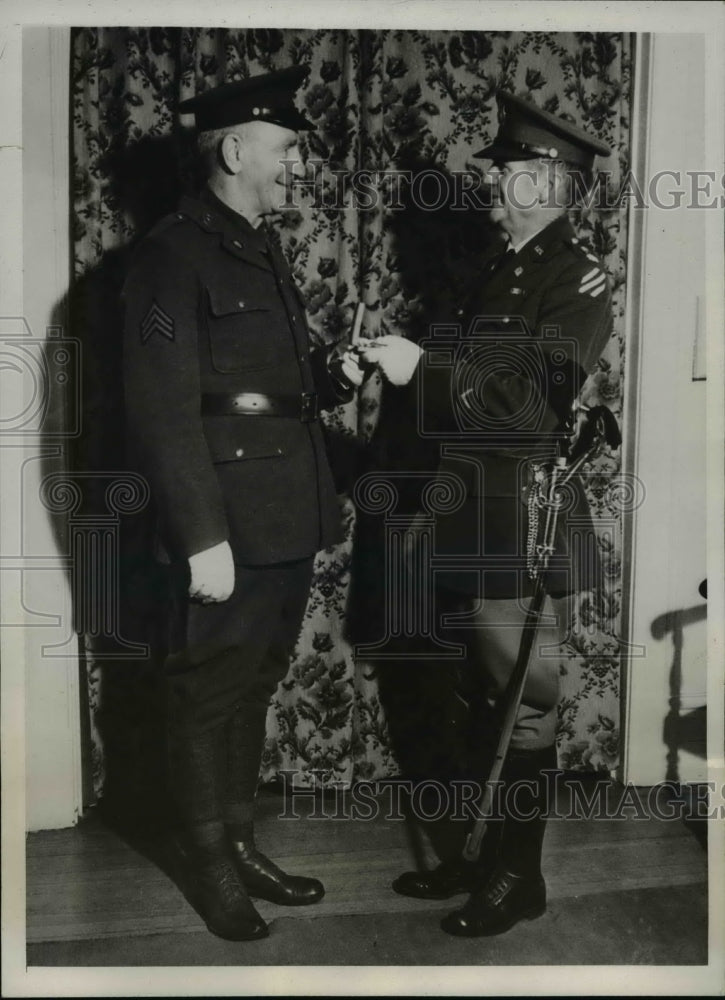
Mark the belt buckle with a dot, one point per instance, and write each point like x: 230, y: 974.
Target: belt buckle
x: 310, y: 408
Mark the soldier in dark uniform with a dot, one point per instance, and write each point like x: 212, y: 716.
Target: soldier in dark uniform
x: 535, y: 325
x: 223, y: 393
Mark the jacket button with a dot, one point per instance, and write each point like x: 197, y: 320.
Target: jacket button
x: 294, y: 319
x: 237, y: 244
x: 239, y: 452
x: 241, y: 303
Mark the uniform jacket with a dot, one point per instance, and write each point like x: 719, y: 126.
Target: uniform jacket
x: 529, y: 335
x: 211, y: 307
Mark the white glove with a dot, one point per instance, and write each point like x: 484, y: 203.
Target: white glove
x: 396, y: 357
x: 212, y: 574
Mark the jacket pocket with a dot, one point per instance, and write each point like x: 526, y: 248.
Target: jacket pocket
x: 239, y: 439
x: 241, y: 330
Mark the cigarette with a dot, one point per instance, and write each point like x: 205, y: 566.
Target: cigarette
x: 357, y: 323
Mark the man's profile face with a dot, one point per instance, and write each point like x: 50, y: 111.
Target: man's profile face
x: 517, y: 187
x: 265, y: 176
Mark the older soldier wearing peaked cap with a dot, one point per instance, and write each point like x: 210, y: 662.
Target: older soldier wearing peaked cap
x: 223, y: 394
x: 536, y: 325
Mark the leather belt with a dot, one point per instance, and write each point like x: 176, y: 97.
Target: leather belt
x: 304, y: 407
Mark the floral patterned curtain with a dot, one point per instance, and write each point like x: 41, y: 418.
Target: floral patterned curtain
x: 382, y: 100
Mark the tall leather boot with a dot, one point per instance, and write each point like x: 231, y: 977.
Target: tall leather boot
x: 515, y: 890
x: 261, y: 877
x: 470, y: 727
x: 215, y: 889
x: 453, y: 875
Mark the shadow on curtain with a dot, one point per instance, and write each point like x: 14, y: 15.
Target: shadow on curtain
x: 383, y: 101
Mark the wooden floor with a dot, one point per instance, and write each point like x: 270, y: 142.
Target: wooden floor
x: 626, y: 891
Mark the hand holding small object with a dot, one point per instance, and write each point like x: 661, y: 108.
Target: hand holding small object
x: 396, y: 357
x: 212, y: 574
x: 350, y: 366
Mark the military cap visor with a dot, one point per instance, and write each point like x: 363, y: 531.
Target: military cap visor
x: 268, y: 97
x: 527, y: 132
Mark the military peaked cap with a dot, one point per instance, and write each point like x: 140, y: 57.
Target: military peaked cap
x: 268, y: 97
x: 526, y: 132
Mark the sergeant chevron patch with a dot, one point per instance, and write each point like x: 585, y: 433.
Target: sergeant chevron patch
x: 593, y: 283
x: 158, y: 321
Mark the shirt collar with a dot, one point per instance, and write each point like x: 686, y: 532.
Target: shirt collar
x: 252, y: 237
x: 511, y: 248
x: 559, y: 229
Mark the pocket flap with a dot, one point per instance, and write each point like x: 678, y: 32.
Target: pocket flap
x: 225, y: 301
x: 237, y: 439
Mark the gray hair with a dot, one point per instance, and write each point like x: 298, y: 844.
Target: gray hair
x: 573, y: 184
x: 209, y: 143
x: 576, y: 182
